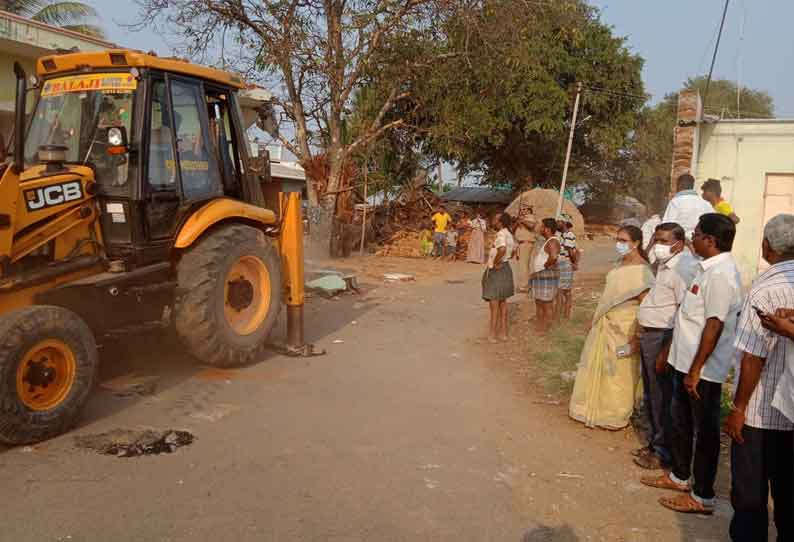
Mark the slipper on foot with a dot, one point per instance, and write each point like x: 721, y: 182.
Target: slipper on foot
x: 663, y: 482
x: 686, y: 504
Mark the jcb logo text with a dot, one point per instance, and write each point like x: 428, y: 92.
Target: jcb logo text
x: 54, y: 194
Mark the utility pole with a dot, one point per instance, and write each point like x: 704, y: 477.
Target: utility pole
x: 568, y: 152
x: 364, y: 214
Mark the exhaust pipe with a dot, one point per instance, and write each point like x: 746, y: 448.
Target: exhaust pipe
x: 19, y: 118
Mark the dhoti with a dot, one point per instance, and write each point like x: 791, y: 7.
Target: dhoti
x: 521, y: 269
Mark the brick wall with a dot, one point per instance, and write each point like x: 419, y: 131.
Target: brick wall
x: 684, y: 134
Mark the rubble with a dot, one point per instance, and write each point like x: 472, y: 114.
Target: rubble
x: 329, y: 285
x: 330, y: 282
x: 405, y: 244
x: 398, y: 277
x: 128, y: 443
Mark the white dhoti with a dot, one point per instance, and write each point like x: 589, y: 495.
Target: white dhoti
x: 521, y: 268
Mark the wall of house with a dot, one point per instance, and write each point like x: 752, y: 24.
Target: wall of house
x: 7, y: 79
x: 23, y: 41
x: 741, y: 153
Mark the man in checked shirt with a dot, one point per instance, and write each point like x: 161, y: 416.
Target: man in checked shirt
x: 762, y: 450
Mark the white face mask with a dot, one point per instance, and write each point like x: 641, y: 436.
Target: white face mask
x: 662, y: 252
x: 622, y: 248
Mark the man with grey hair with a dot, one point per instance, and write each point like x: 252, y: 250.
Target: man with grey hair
x: 763, y: 436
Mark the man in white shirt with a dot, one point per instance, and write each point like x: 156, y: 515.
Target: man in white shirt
x: 677, y: 268
x: 687, y: 206
x: 763, y: 438
x: 648, y: 230
x: 701, y: 356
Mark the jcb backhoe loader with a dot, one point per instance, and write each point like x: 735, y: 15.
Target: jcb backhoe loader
x: 132, y: 197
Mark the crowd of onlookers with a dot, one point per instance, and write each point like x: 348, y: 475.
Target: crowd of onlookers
x: 544, y: 258
x: 673, y: 315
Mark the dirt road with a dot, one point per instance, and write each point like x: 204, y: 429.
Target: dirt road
x: 406, y: 430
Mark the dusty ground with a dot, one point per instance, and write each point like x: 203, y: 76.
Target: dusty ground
x: 409, y: 429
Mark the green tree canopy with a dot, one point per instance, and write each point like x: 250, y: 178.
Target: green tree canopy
x: 75, y: 16
x: 501, y: 102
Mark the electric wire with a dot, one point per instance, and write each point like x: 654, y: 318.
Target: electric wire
x: 716, y: 49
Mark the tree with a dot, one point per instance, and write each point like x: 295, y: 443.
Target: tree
x: 722, y: 97
x: 502, y: 104
x: 73, y: 16
x: 314, y: 54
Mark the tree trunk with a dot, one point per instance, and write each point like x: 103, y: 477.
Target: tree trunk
x: 328, y: 205
x: 311, y: 190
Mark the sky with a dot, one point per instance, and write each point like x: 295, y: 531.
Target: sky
x: 676, y: 38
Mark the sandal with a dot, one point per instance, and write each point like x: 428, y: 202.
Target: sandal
x: 686, y: 504
x: 663, y: 482
x: 639, y: 452
x: 648, y: 462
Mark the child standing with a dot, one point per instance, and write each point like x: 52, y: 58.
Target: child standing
x: 452, y: 242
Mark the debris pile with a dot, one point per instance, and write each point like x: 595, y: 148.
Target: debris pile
x: 329, y: 283
x: 404, y: 243
x: 398, y: 277
x: 410, y: 210
x: 128, y: 443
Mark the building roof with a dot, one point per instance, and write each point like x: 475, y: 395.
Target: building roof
x: 25, y: 38
x: 477, y: 194
x: 287, y: 170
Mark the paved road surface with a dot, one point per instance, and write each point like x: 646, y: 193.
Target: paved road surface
x: 405, y: 431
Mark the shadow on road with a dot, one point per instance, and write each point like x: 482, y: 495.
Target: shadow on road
x: 160, y: 354
x: 544, y: 533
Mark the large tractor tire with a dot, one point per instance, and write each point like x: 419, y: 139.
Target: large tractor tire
x: 229, y: 296
x: 48, y: 365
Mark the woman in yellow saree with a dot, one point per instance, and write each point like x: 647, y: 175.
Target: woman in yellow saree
x: 609, y: 368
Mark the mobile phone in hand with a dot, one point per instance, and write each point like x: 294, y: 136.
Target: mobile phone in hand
x: 624, y: 351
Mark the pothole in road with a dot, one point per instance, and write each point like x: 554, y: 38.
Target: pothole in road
x: 129, y: 443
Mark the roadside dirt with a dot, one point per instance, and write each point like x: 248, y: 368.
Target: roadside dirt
x: 411, y: 428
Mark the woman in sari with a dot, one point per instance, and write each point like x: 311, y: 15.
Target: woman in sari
x: 609, y: 368
x: 476, y: 249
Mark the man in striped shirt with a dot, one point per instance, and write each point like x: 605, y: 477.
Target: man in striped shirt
x: 568, y: 264
x: 763, y: 438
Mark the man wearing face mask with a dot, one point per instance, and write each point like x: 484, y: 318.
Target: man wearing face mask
x: 701, y: 355
x: 677, y: 268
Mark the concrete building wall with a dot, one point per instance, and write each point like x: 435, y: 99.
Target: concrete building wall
x: 23, y: 41
x: 743, y: 154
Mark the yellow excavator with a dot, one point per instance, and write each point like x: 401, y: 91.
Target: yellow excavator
x: 132, y: 199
